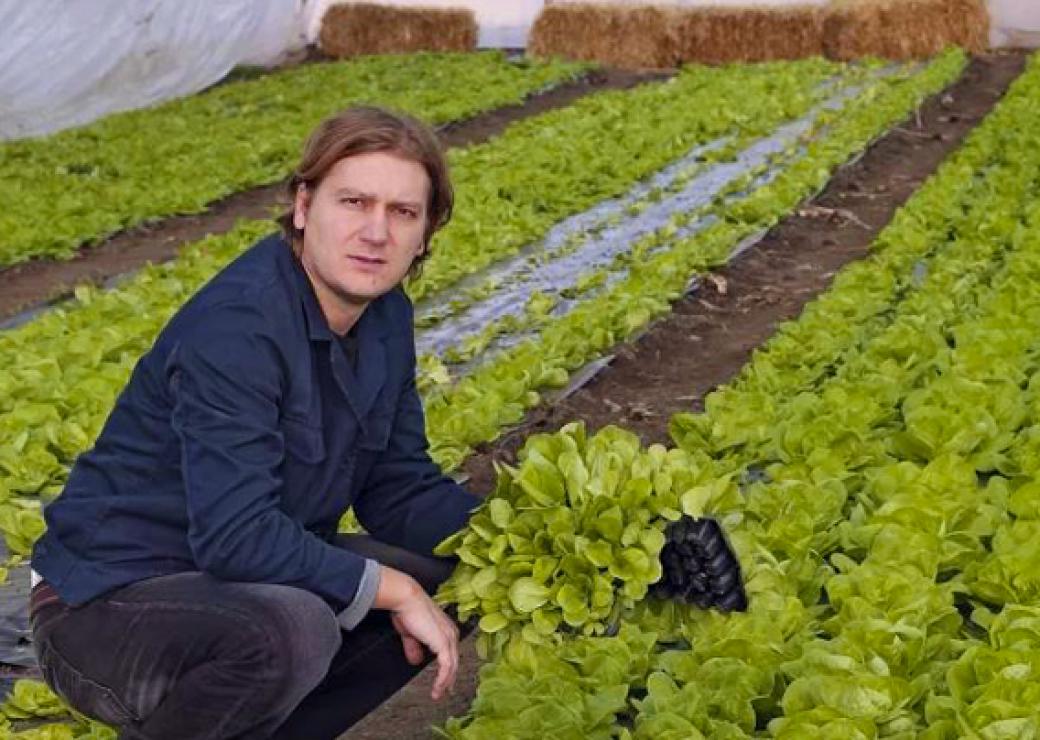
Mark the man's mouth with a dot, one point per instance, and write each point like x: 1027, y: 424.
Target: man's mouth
x: 366, y: 260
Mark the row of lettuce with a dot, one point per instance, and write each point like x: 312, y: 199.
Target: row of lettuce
x: 876, y: 467
x: 101, y: 338
x: 134, y: 167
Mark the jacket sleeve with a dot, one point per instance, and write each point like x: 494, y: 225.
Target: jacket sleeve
x: 406, y: 500
x: 226, y: 384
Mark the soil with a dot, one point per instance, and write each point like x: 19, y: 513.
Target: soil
x: 35, y: 284
x: 710, y: 335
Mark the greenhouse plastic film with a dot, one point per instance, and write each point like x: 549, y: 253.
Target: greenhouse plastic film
x: 67, y: 63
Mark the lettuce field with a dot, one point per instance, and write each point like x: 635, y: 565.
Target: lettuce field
x: 875, y: 463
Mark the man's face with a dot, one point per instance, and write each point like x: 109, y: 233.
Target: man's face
x: 363, y: 227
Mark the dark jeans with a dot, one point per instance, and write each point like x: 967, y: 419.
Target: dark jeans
x: 192, y: 657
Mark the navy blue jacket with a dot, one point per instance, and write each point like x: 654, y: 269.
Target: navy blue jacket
x: 242, y: 437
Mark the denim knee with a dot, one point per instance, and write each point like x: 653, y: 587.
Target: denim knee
x: 276, y: 646
x: 298, y: 634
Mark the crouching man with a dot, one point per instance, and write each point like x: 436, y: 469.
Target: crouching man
x: 193, y: 582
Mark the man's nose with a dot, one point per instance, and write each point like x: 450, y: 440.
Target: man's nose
x: 376, y: 228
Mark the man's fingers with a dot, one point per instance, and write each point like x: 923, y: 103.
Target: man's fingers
x: 445, y: 676
x: 447, y: 666
x: 426, y: 625
x: 413, y: 650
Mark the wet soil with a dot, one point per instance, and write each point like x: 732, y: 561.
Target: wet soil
x: 710, y: 335
x: 38, y: 283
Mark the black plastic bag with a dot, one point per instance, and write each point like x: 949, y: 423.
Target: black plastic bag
x: 700, y: 567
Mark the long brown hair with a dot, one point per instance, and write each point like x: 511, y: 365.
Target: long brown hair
x: 365, y: 129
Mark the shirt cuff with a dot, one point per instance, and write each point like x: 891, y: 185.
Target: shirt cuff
x: 350, y: 617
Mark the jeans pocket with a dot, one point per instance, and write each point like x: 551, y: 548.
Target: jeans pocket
x: 82, y: 693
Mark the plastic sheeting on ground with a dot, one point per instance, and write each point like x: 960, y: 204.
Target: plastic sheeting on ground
x: 67, y: 62
x: 15, y: 636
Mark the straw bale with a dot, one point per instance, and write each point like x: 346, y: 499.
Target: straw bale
x: 904, y: 29
x: 656, y: 36
x: 718, y: 35
x: 615, y: 35
x: 351, y: 29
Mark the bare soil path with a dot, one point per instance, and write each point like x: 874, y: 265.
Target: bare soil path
x: 34, y: 284
x: 710, y: 335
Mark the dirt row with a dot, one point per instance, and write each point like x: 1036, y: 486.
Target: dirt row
x: 711, y: 334
x: 34, y: 284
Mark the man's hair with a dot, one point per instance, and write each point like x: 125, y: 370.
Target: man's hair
x: 365, y: 129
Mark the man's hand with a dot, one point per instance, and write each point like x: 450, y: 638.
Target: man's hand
x: 420, y: 622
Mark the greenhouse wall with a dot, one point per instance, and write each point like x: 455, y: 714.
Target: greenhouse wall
x: 67, y: 62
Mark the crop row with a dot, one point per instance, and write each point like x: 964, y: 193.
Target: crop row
x: 78, y: 186
x: 886, y: 521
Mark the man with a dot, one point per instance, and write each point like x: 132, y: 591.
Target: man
x: 193, y: 582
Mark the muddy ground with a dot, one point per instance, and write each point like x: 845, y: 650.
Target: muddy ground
x: 34, y: 284
x: 710, y: 335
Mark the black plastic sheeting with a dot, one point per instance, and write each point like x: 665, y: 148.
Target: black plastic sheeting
x: 15, y: 637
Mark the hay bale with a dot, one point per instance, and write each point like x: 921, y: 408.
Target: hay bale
x: 719, y: 35
x: 351, y: 29
x: 657, y: 36
x: 640, y: 37
x: 904, y: 29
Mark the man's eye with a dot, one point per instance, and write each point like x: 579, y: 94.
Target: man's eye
x: 408, y: 212
x: 352, y: 202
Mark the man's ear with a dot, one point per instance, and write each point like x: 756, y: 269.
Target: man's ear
x: 301, y: 202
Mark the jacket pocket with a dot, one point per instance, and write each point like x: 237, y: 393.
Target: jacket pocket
x: 81, y: 692
x: 371, y: 447
x: 303, y: 441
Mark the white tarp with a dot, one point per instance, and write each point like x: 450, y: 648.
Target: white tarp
x: 68, y: 62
